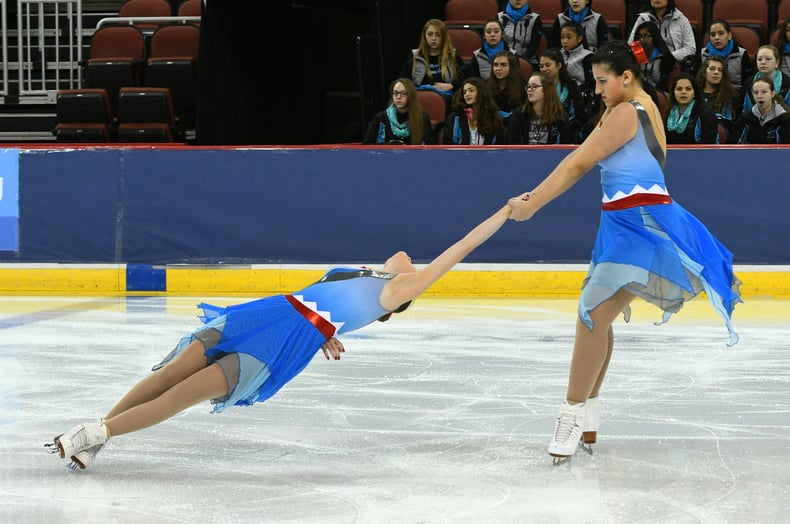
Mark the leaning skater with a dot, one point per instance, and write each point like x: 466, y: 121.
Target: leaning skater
x: 245, y: 353
x: 647, y: 245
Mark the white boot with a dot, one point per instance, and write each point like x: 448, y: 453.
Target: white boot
x: 592, y: 417
x: 83, y: 459
x: 567, y: 430
x: 80, y: 438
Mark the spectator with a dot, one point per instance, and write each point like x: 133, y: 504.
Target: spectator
x: 675, y: 30
x: 542, y: 119
x: 522, y: 28
x: 483, y: 58
x: 783, y: 44
x: 767, y: 122
x: 596, y: 30
x: 718, y: 93
x: 659, y: 69
x: 506, y: 84
x: 687, y: 119
x: 723, y: 44
x: 578, y: 59
x: 435, y: 63
x: 404, y: 121
x: 767, y: 67
x: 474, y: 118
x: 552, y: 64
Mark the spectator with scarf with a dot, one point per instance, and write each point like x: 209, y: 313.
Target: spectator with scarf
x: 768, y: 68
x: 552, y: 64
x: 506, y: 84
x: 483, y: 58
x: 596, y: 30
x: 718, y: 93
x: 522, y: 28
x: 724, y: 45
x: 403, y: 122
x: 687, y: 119
x: 542, y: 120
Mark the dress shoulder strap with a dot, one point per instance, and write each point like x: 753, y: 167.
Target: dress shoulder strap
x: 650, y: 136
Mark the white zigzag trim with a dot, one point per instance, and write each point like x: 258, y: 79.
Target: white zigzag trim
x: 654, y: 190
x: 313, y: 306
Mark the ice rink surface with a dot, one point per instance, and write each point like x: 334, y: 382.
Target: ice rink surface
x: 440, y: 415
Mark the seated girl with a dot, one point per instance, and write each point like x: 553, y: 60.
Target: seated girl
x: 403, y: 122
x: 687, y: 119
x: 541, y: 120
x: 474, y: 118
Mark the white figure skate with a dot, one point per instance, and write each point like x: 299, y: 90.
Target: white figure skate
x: 567, y: 432
x: 78, y: 438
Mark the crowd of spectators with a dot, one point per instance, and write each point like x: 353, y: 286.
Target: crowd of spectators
x: 526, y: 87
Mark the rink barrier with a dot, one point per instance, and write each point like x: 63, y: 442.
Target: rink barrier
x: 466, y: 280
x: 346, y: 204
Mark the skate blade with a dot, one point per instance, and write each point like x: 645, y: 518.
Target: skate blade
x: 560, y: 460
x: 54, y: 446
x: 74, y: 466
x: 77, y: 462
x: 587, y: 448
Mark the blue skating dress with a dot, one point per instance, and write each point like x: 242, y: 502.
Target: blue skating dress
x: 649, y: 244
x: 282, y: 333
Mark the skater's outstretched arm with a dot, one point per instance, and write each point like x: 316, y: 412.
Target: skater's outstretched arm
x: 408, y: 286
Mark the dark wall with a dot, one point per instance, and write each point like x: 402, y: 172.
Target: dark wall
x: 281, y: 72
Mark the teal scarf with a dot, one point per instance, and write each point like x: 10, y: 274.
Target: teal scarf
x: 398, y: 129
x: 676, y: 122
x: 777, y: 80
x: 562, y: 92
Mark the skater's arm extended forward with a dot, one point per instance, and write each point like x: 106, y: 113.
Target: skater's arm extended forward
x: 408, y: 286
x: 617, y: 127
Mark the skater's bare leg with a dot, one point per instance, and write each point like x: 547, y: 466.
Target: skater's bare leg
x: 189, y: 361
x: 592, y: 348
x: 206, y: 384
x: 597, y: 387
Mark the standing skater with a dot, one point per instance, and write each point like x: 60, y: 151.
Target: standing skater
x: 647, y: 245
x: 247, y: 352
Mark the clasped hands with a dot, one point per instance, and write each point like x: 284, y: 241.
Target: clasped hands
x: 520, y: 207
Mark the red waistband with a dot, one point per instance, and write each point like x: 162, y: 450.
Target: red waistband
x: 639, y: 199
x: 321, y: 324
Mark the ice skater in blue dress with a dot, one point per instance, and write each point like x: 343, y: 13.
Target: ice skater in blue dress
x: 247, y: 352
x: 647, y: 245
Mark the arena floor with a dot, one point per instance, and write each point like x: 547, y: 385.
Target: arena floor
x: 441, y: 415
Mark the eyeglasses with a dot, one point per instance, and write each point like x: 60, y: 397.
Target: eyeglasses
x: 396, y: 94
x: 534, y: 86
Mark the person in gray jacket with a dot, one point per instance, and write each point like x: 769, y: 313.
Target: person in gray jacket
x: 596, y: 30
x: 482, y: 61
x: 675, y: 29
x: 523, y: 28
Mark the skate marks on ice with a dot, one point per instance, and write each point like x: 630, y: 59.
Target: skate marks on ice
x: 441, y: 415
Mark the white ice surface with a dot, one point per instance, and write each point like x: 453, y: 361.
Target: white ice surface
x: 440, y: 415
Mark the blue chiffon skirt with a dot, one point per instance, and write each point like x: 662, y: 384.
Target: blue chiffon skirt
x: 664, y: 255
x: 278, y: 340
